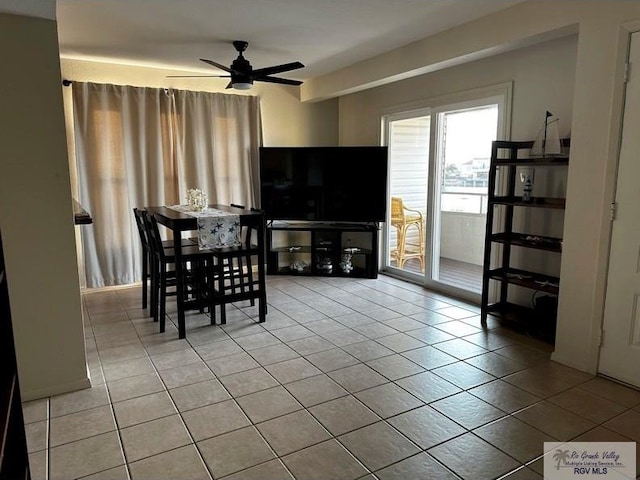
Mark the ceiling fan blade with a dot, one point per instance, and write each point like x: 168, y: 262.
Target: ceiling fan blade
x: 285, y: 67
x: 283, y: 81
x: 217, y: 65
x: 198, y: 76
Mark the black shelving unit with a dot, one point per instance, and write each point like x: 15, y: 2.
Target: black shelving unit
x: 506, y: 157
x: 14, y: 460
x: 322, y: 247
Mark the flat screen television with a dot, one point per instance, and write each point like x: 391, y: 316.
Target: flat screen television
x: 330, y: 184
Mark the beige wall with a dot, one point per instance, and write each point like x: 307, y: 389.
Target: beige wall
x: 36, y: 215
x: 596, y: 106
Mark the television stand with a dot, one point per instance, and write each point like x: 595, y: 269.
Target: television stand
x: 322, y: 249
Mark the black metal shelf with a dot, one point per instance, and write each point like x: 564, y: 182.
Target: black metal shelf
x: 526, y: 278
x: 537, y: 242
x: 506, y: 157
x: 536, y: 202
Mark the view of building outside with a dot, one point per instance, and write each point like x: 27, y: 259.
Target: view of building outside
x: 466, y: 146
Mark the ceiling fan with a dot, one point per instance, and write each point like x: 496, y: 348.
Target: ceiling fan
x: 242, y: 73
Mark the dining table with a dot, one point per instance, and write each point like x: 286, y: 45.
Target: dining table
x: 179, y: 221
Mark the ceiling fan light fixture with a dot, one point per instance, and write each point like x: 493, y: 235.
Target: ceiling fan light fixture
x: 242, y: 85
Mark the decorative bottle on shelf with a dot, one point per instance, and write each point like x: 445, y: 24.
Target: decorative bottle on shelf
x: 526, y: 177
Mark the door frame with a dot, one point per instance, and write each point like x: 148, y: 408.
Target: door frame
x: 433, y: 105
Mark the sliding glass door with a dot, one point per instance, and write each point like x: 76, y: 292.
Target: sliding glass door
x: 438, y: 178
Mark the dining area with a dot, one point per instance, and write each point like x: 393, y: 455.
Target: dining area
x: 207, y: 258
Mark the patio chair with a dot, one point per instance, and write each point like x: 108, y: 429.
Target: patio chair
x: 403, y: 219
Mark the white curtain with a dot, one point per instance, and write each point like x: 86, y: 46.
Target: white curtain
x: 138, y: 147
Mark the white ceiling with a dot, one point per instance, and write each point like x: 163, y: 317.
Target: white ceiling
x: 325, y: 35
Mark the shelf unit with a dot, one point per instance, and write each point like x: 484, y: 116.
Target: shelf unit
x: 14, y: 461
x: 506, y: 157
x: 323, y: 244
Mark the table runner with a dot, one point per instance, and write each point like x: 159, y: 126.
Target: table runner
x: 216, y: 228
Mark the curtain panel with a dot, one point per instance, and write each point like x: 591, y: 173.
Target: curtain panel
x: 139, y: 146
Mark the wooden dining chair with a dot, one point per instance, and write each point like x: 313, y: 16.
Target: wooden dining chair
x: 234, y: 275
x: 196, y: 263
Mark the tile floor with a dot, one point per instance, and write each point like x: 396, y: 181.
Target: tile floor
x: 347, y: 379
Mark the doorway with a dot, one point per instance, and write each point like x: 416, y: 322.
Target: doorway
x: 620, y: 350
x: 438, y: 167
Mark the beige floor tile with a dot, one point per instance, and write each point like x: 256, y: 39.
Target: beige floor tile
x: 403, y: 324
x: 38, y: 465
x: 556, y: 421
x: 523, y: 354
x: 463, y: 375
x: 429, y: 357
x: 178, y: 358
x: 613, y: 391
x: 495, y: 364
x: 395, y: 366
x: 292, y: 432
x: 516, y: 438
x: 309, y: 345
x: 35, y: 410
x: 218, y: 349
x: 627, y: 424
x: 229, y: 364
x: 523, y: 473
x: 325, y: 325
x: 367, y: 350
x: 323, y: 461
x: 357, y: 377
x: 85, y: 457
x: 142, y: 409
x: 198, y: 395
x: 343, y: 415
x: 460, y: 349
x: 490, y: 339
x: 128, y: 368
x: 292, y: 370
x: 137, y: 386
x: 378, y: 445
x: 267, y: 404
x: 249, y: 381
x: 430, y: 317
x: 272, y: 470
x: 456, y: 312
x: 314, y: 390
x: 183, y: 463
x: 428, y: 387
x: 181, y: 376
x: 504, y: 396
x: 122, y: 353
x: 375, y: 330
x: 79, y: 425
x: 333, y: 359
x: 80, y: 400
x: 117, y: 473
x: 597, y: 409
x: 346, y: 336
x: 473, y: 458
x: 274, y: 354
x: 216, y: 419
x: 37, y: 436
x: 534, y: 382
x: 458, y: 328
x: 258, y: 340
x: 234, y: 451
x: 400, y: 342
x: 295, y: 332
x: 421, y: 466
x: 467, y: 410
x: 388, y: 400
x: 430, y: 335
x: 154, y: 437
x: 426, y: 427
